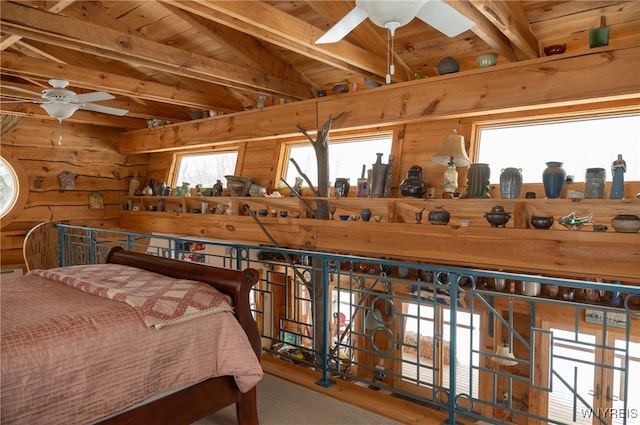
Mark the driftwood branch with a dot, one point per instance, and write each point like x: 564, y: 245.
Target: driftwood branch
x: 304, y: 176
x: 304, y: 202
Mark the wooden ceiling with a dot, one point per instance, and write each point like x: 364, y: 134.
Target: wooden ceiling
x: 168, y: 59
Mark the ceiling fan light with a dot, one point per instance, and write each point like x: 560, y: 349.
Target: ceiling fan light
x: 60, y: 111
x: 382, y: 12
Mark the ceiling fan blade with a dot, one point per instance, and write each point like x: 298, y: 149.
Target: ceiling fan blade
x: 94, y: 97
x: 103, y: 109
x: 33, y: 93
x: 344, y: 26
x: 444, y: 18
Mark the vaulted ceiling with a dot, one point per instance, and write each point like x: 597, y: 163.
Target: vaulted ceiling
x: 169, y: 59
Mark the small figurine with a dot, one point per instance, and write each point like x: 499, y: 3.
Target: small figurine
x: 217, y: 188
x: 618, y: 168
x: 571, y: 222
x: 297, y: 187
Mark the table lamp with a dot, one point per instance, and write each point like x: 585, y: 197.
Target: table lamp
x: 452, y: 154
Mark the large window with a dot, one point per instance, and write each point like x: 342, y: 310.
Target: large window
x: 579, y: 144
x: 205, y: 168
x: 346, y: 158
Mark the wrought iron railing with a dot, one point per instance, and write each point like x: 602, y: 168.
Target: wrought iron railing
x: 504, y: 347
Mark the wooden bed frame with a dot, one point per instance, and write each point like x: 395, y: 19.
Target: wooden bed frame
x: 200, y: 400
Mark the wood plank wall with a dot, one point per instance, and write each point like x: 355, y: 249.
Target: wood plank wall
x: 89, y: 152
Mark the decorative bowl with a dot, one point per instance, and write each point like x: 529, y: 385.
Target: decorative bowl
x: 487, y: 59
x: 541, y: 222
x: 626, y: 223
x: 340, y: 88
x: 497, y: 217
x: 344, y: 217
x: 238, y: 186
x: 555, y: 49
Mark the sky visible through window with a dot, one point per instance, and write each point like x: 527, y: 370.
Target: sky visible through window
x: 345, y: 159
x: 578, y: 144
x: 205, y: 169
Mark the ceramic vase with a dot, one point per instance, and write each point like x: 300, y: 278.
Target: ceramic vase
x: 413, y: 185
x: 341, y: 187
x: 159, y: 188
x: 478, y: 181
x: 365, y: 214
x: 553, y: 178
x: 378, y: 177
x: 510, y: 183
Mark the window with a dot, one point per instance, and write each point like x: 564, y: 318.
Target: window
x: 205, y: 168
x: 346, y: 158
x: 579, y: 144
x: 8, y: 187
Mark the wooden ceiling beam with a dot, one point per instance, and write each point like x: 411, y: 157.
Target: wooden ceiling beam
x: 267, y: 23
x: 32, y: 110
x: 78, y: 35
x: 486, y: 30
x: 10, y: 39
x: 510, y: 18
x: 24, y: 66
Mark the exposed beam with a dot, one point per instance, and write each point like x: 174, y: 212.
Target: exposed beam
x: 78, y: 35
x: 486, y: 30
x: 33, y: 110
x: 509, y: 17
x: 24, y: 66
x: 9, y: 40
x: 273, y: 26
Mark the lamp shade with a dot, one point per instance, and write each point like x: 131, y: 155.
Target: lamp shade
x: 60, y: 110
x: 505, y: 355
x: 453, y: 147
x: 382, y: 12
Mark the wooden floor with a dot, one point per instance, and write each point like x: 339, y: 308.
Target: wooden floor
x: 380, y: 403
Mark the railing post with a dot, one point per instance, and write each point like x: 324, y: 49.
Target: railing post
x: 326, y: 329
x: 453, y: 325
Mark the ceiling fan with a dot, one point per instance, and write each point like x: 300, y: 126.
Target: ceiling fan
x: 61, y: 103
x: 392, y: 14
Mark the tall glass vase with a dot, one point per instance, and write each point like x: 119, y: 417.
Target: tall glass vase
x: 478, y: 181
x: 553, y: 178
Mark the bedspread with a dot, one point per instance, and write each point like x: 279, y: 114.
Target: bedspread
x: 73, y: 357
x: 159, y: 300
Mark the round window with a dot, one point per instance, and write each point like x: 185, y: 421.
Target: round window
x: 8, y: 187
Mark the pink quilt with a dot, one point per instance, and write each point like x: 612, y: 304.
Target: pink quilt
x: 70, y: 357
x: 159, y: 300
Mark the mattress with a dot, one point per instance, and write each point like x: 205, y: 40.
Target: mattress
x: 73, y: 357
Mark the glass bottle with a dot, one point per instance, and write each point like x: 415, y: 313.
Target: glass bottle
x: 594, y: 183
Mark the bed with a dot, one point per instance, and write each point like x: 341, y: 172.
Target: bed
x: 75, y: 352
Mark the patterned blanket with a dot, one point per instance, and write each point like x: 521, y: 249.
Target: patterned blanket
x: 159, y: 300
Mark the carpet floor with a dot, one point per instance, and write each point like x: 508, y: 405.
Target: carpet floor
x: 281, y: 402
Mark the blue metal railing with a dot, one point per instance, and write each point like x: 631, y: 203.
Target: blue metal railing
x: 427, y: 332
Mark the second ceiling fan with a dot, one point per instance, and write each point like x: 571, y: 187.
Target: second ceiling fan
x: 392, y: 14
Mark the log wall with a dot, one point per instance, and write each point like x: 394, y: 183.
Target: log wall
x: 88, y: 152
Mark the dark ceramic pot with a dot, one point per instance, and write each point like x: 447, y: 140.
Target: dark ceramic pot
x: 413, y: 185
x: 439, y: 216
x: 541, y: 222
x: 448, y: 65
x: 497, y: 217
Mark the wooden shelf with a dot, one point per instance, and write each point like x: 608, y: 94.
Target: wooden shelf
x: 517, y: 247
